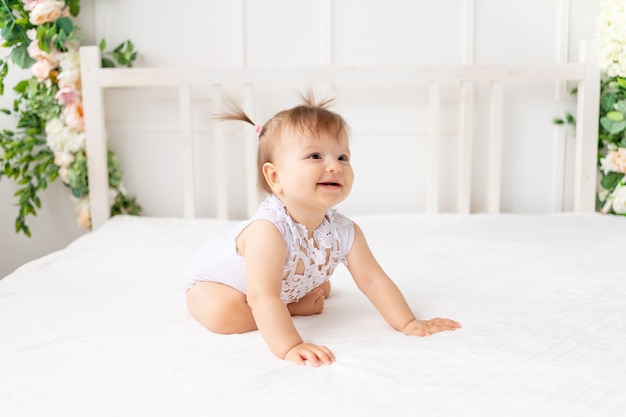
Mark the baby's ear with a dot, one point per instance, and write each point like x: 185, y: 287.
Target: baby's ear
x: 272, y: 177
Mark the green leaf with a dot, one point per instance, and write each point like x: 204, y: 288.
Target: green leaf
x: 103, y: 45
x: 65, y: 24
x: 20, y: 57
x: 19, y: 224
x: 21, y: 86
x: 41, y: 32
x: 73, y: 6
x: 607, y: 102
x: 621, y: 106
x: 610, y: 180
x: 78, y: 192
x: 107, y: 63
x: 621, y: 82
x: 611, y: 126
x: 615, y: 116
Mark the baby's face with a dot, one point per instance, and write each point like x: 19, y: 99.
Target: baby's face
x: 314, y: 170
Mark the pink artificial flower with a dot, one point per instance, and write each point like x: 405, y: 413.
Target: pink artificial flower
x: 83, y: 213
x: 30, y: 4
x: 37, y: 54
x: 34, y: 51
x: 46, y: 11
x: 73, y: 116
x: 41, y: 69
x: 67, y: 95
x: 618, y: 159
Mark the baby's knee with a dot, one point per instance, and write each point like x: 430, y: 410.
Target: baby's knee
x: 219, y: 325
x: 217, y: 314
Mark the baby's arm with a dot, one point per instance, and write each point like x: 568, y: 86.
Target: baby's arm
x: 385, y: 295
x: 264, y: 252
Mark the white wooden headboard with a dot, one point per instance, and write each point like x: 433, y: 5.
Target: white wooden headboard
x: 584, y: 74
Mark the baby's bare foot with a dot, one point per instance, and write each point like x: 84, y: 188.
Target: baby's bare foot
x: 312, y: 303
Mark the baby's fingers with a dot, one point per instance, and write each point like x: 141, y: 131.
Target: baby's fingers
x: 440, y: 324
x: 319, y: 356
x: 426, y: 328
x: 315, y: 355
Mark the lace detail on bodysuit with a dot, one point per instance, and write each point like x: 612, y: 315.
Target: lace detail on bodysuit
x: 315, y: 258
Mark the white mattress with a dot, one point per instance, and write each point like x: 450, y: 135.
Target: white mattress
x: 101, y: 329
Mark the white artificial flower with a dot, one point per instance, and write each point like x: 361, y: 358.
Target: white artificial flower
x: 63, y: 174
x: 54, y: 134
x: 69, y: 62
x: 63, y: 159
x: 619, y: 199
x: 612, y: 37
x: 61, y: 138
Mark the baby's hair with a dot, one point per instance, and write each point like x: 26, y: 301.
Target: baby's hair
x: 310, y: 117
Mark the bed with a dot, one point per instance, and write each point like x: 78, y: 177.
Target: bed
x: 100, y: 328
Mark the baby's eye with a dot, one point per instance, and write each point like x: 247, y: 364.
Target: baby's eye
x: 315, y: 156
x: 344, y: 158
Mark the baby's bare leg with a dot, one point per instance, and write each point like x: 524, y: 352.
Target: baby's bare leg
x: 220, y: 308
x: 312, y: 303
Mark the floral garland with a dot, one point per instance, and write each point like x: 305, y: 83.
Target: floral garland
x: 49, y: 140
x: 612, y: 131
x: 611, y: 33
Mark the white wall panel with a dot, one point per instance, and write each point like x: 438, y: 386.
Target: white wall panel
x: 398, y: 32
x: 172, y: 34
x: 514, y: 32
x: 284, y: 32
x: 582, y: 24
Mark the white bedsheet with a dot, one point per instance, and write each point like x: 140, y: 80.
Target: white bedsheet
x: 101, y: 329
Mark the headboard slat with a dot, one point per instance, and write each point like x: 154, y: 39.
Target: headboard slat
x: 95, y: 131
x: 219, y: 161
x: 587, y: 116
x: 495, y: 147
x: 251, y: 146
x: 434, y: 146
x: 189, y: 183
x: 465, y: 147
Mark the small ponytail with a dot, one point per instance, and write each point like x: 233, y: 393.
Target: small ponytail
x: 233, y: 112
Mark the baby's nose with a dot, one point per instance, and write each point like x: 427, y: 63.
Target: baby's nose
x: 334, y: 166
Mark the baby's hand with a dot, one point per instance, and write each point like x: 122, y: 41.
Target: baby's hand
x: 428, y: 327
x: 316, y: 355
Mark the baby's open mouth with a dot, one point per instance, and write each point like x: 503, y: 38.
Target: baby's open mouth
x: 330, y: 184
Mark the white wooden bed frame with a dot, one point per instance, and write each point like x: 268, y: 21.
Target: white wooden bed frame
x: 585, y: 74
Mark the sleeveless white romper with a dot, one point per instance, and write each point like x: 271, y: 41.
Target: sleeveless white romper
x: 219, y: 261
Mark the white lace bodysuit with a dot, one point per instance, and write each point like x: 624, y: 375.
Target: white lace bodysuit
x: 218, y: 259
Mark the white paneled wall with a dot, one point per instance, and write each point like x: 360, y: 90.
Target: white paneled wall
x: 217, y: 33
